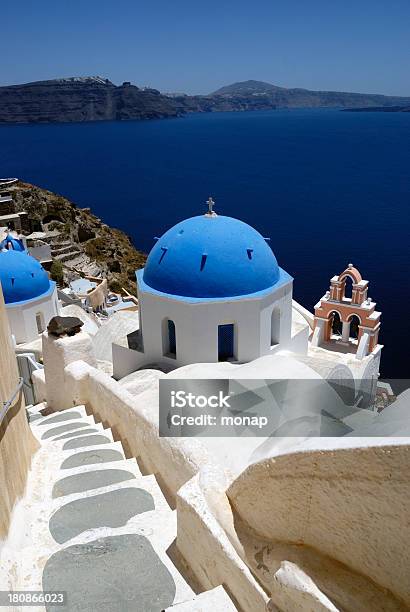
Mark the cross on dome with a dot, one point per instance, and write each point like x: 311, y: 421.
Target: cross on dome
x: 211, y: 204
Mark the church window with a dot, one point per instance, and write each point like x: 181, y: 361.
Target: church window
x: 226, y: 342
x: 40, y: 322
x: 169, y: 339
x: 275, y: 327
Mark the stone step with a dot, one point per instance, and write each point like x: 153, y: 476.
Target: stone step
x: 82, y: 441
x: 49, y: 432
x: 96, y: 456
x: 71, y: 255
x: 97, y: 428
x: 108, y: 570
x: 134, y: 506
x: 56, y: 243
x: 83, y: 458
x: 147, y: 483
x: 64, y: 415
x: 215, y: 600
x: 90, y: 480
x: 61, y: 249
x: 33, y: 417
x: 60, y: 242
x: 34, y: 412
x: 36, y: 408
x: 82, y: 258
x: 53, y: 236
x: 116, y: 462
x: 46, y: 507
x: 110, y: 511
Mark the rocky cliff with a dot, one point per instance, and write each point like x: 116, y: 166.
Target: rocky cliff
x: 97, y: 99
x: 81, y: 99
x: 93, y: 247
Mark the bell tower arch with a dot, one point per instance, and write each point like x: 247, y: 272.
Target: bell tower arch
x: 360, y: 322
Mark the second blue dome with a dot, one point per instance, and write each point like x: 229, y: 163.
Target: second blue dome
x: 12, y: 243
x: 22, y: 277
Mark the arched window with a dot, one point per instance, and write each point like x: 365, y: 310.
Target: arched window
x: 348, y: 287
x: 354, y: 327
x: 169, y: 339
x: 275, y: 327
x: 336, y: 324
x: 40, y: 322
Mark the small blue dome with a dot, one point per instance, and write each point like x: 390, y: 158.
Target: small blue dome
x: 12, y: 243
x: 211, y: 257
x: 22, y: 277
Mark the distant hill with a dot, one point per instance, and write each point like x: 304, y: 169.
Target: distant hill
x: 81, y: 99
x: 98, y: 99
x: 261, y: 93
x: 247, y: 88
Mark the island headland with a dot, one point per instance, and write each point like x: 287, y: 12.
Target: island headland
x: 79, y: 241
x: 79, y: 99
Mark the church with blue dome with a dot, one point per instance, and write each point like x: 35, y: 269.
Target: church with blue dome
x: 211, y: 290
x: 30, y: 296
x: 10, y: 242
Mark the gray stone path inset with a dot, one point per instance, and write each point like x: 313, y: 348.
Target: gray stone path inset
x: 86, y: 441
x: 34, y: 417
x: 62, y: 416
x: 58, y: 430
x: 111, y: 509
x: 118, y: 573
x: 85, y: 481
x: 99, y: 455
x: 74, y: 434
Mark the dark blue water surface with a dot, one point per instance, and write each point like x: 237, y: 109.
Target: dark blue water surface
x: 327, y: 187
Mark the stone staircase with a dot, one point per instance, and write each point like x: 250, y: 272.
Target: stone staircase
x: 65, y: 250
x: 62, y: 249
x: 69, y: 253
x: 93, y: 526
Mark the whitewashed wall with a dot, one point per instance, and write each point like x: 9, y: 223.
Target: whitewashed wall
x: 196, y: 325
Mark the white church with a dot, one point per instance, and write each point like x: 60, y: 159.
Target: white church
x: 30, y: 296
x: 212, y: 291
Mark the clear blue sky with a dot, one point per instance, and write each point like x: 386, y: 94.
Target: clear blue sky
x: 197, y: 46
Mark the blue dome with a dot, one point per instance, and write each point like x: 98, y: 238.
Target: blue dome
x: 12, y: 243
x: 22, y: 277
x: 211, y: 257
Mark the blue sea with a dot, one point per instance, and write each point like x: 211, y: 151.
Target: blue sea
x: 327, y: 187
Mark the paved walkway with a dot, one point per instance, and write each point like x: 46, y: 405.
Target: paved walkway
x: 93, y: 526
